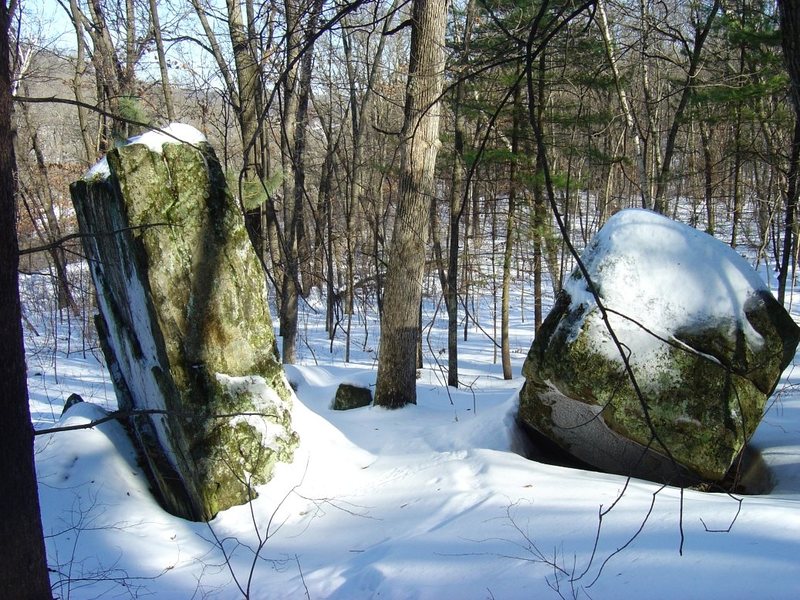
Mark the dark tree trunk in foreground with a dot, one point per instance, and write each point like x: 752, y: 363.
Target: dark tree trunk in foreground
x: 396, y: 385
x: 23, y: 564
x: 790, y: 28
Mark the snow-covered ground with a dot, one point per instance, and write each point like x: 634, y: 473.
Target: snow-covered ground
x: 431, y: 501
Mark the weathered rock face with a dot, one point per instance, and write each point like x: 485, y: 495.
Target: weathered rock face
x: 185, y: 323
x: 706, y: 341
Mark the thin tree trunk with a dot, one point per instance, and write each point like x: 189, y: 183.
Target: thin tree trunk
x: 651, y: 140
x: 77, y: 81
x: 297, y: 90
x: 630, y: 123
x: 248, y: 78
x: 108, y: 73
x: 677, y: 119
x: 790, y: 26
x: 791, y: 205
x: 294, y: 136
x: 458, y: 202
x: 396, y: 383
x: 736, y: 190
x: 708, y: 180
x: 288, y: 128
x: 219, y: 57
x: 505, y: 350
x: 162, y: 61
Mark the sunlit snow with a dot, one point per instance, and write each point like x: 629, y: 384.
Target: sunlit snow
x: 433, y: 501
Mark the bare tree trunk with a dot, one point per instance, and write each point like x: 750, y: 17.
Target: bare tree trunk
x: 419, y: 145
x: 248, y: 78
x: 288, y: 127
x: 296, y: 94
x: 114, y: 74
x: 652, y: 143
x: 736, y: 188
x: 630, y: 123
x: 77, y: 82
x: 689, y: 83
x: 162, y: 61
x: 790, y: 26
x: 505, y: 350
x: 107, y: 72
x: 548, y: 243
x: 458, y: 202
x: 708, y: 180
x: 23, y: 564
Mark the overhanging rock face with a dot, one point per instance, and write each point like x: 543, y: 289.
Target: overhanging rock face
x: 184, y: 323
x: 705, y: 339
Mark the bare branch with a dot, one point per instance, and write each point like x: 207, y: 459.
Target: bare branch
x: 125, y: 414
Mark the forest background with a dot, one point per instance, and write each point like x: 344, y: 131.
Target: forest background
x: 552, y: 116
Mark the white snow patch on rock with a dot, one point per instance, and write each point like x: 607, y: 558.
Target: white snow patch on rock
x: 264, y: 399
x: 666, y: 273
x: 174, y: 133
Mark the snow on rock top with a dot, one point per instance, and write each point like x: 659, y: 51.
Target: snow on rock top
x: 99, y: 170
x: 668, y: 274
x: 174, y: 133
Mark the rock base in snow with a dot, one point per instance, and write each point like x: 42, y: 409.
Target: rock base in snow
x: 351, y: 396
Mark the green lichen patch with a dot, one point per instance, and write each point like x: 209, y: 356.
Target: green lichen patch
x: 694, y: 409
x: 240, y: 432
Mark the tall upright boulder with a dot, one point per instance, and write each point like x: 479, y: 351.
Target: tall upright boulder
x: 705, y: 340
x: 184, y: 321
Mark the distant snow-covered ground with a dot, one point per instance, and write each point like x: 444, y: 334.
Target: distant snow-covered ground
x: 431, y: 501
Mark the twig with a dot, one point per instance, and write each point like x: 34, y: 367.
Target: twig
x: 124, y: 414
x: 302, y: 578
x: 72, y: 236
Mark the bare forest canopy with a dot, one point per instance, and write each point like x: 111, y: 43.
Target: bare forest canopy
x: 552, y: 116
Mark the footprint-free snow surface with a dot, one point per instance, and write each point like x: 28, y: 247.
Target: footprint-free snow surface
x: 431, y: 501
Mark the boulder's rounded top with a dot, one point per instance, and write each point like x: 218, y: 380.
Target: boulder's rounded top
x: 645, y: 264
x: 174, y: 133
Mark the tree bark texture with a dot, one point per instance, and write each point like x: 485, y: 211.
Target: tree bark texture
x: 458, y: 202
x: 23, y: 564
x: 505, y: 349
x: 790, y: 27
x: 396, y: 384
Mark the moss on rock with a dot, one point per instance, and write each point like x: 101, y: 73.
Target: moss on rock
x: 351, y: 396
x: 697, y: 410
